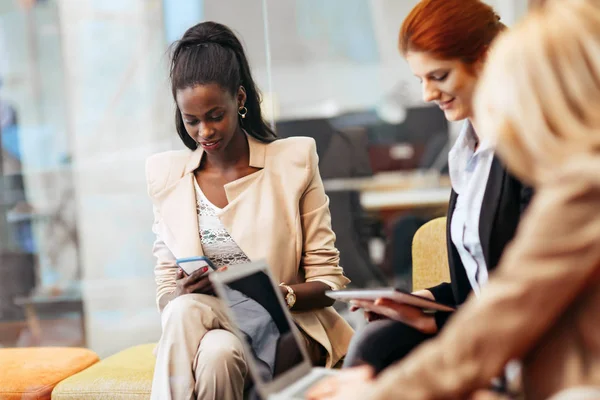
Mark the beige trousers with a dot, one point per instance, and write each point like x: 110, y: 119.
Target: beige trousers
x: 197, y: 356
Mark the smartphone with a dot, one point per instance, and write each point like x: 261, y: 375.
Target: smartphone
x: 191, y: 264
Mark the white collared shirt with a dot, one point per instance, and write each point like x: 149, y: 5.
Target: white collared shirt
x: 469, y: 172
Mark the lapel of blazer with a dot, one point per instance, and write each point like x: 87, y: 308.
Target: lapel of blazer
x: 489, y: 208
x: 451, y: 207
x: 458, y: 276
x: 178, y: 211
x: 258, y: 152
x: 243, y: 213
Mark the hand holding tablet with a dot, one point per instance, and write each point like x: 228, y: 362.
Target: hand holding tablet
x: 399, y: 296
x: 413, y: 309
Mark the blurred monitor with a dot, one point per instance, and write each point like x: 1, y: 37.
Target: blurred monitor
x: 415, y: 143
x: 343, y: 153
x: 419, y: 142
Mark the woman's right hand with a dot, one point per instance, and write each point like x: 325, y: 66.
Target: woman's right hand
x: 197, y: 282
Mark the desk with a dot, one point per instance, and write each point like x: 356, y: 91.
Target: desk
x: 388, y: 181
x: 39, y: 304
x: 396, y: 191
x: 388, y: 200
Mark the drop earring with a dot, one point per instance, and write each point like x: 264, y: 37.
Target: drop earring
x: 242, y: 111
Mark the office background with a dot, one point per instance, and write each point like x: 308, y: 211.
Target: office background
x: 84, y: 99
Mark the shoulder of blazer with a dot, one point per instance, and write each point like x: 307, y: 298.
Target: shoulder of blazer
x: 297, y: 152
x: 161, y: 168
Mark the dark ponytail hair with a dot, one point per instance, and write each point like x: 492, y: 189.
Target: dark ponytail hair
x: 211, y: 53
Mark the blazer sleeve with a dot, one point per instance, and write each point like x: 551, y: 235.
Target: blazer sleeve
x: 443, y: 293
x: 165, y: 270
x: 320, y: 258
x: 553, y: 258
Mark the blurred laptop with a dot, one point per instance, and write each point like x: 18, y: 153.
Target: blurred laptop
x: 415, y: 143
x: 293, y: 373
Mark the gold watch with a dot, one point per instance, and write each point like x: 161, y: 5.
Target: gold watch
x: 290, y: 297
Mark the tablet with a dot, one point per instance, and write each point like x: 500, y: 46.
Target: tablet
x: 397, y: 295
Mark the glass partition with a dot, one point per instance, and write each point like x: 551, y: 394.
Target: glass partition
x: 85, y: 99
x: 40, y: 296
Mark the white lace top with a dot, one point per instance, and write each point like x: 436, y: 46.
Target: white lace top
x: 217, y: 244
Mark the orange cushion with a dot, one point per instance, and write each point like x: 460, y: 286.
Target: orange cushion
x: 32, y: 373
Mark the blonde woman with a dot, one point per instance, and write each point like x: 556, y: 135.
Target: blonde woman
x: 539, y: 101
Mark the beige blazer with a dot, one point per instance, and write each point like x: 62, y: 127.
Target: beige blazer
x: 541, y: 305
x: 280, y: 214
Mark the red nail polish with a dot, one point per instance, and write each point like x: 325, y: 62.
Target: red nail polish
x: 204, y: 269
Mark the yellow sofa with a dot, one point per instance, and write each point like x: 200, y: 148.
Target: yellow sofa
x: 125, y: 375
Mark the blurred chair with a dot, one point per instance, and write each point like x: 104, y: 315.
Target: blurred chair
x: 343, y: 154
x: 430, y: 255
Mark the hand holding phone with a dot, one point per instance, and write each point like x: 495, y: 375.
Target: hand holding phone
x: 192, y: 276
x: 190, y: 265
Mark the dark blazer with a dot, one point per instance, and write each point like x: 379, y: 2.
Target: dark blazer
x: 504, y: 202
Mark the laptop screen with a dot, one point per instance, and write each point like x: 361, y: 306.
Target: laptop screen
x: 259, y: 316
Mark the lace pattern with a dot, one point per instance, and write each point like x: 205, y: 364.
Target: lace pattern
x: 204, y: 208
x: 216, y: 242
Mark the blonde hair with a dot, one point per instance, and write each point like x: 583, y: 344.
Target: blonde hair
x: 539, y: 96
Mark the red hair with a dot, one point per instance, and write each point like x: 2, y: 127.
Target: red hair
x: 450, y: 29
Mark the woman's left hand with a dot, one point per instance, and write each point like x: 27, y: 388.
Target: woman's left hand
x: 205, y: 285
x: 349, y: 384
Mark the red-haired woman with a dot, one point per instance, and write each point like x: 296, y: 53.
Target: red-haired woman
x: 445, y: 43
